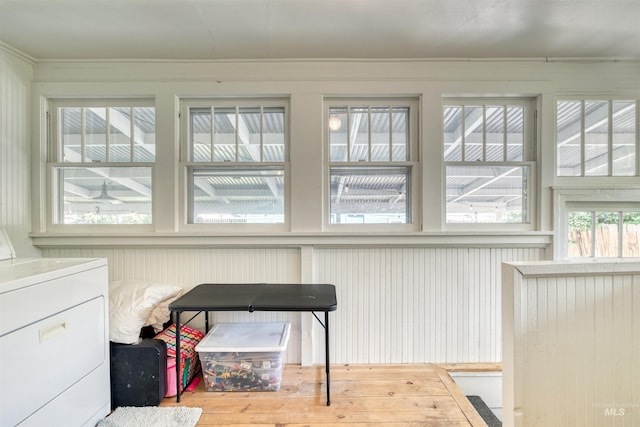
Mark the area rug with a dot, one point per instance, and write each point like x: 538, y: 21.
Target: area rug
x: 152, y: 416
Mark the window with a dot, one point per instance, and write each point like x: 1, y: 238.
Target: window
x: 487, y: 161
x: 603, y: 232
x: 101, y: 161
x: 597, y: 138
x: 236, y: 161
x: 371, y: 154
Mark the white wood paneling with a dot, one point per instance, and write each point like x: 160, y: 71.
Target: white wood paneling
x: 190, y: 267
x: 571, y: 344
x: 15, y: 150
x: 416, y: 305
x: 395, y: 305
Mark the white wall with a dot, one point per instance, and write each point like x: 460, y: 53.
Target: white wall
x: 16, y: 72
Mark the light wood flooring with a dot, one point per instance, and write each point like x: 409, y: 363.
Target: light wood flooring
x: 361, y: 395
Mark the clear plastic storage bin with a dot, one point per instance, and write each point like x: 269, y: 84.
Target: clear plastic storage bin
x: 243, y: 356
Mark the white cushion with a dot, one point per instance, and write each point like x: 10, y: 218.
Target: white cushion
x: 131, y: 302
x: 161, y: 314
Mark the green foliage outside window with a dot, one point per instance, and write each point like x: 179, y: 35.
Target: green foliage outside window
x: 582, y: 220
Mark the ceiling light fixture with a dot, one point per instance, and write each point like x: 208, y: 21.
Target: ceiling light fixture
x: 335, y: 123
x: 105, y: 197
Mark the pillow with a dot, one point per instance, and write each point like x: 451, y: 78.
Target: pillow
x: 130, y: 305
x: 161, y: 314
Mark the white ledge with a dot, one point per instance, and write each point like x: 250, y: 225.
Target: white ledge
x: 485, y: 240
x: 581, y: 267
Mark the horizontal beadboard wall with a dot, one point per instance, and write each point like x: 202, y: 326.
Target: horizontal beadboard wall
x: 574, y: 333
x: 395, y: 305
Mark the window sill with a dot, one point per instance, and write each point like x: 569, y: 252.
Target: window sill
x: 293, y: 240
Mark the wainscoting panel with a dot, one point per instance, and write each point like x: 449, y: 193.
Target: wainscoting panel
x: 416, y: 305
x: 395, y: 305
x: 190, y: 267
x: 572, y: 345
x: 15, y: 151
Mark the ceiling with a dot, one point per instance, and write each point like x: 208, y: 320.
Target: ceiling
x: 302, y: 29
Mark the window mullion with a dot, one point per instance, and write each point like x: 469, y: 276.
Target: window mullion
x: 620, y: 234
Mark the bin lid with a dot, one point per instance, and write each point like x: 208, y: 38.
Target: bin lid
x: 246, y: 337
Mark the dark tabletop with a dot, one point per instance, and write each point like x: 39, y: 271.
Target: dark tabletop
x: 257, y: 297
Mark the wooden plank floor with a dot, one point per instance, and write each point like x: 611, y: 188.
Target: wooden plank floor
x: 361, y: 395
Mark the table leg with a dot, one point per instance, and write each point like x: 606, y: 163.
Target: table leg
x: 326, y: 355
x: 177, y: 356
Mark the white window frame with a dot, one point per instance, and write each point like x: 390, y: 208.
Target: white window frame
x: 568, y: 199
x: 593, y: 209
x: 598, y: 178
x: 529, y: 161
x: 55, y: 163
x: 187, y: 165
x: 411, y: 163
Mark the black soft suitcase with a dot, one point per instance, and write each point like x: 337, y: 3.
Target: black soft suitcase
x: 138, y: 373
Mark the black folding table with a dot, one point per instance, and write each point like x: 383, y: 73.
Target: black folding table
x: 256, y: 297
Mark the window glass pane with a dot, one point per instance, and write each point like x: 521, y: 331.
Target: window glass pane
x: 369, y: 195
x: 380, y: 134
x: 473, y: 130
x: 338, y: 134
x: 104, y: 195
x: 71, y: 134
x: 606, y: 234
x: 515, y: 133
x: 452, y: 134
x: 624, y: 137
x: 95, y: 139
x: 359, y: 130
x: 568, y: 138
x: 246, y: 196
x: 579, y: 230
x: 119, y: 131
x: 631, y: 234
x: 495, y: 134
x: 596, y: 138
x: 487, y: 194
x: 400, y: 134
x: 224, y: 135
x: 201, y: 135
x: 249, y: 130
x: 273, y: 134
x: 144, y: 134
